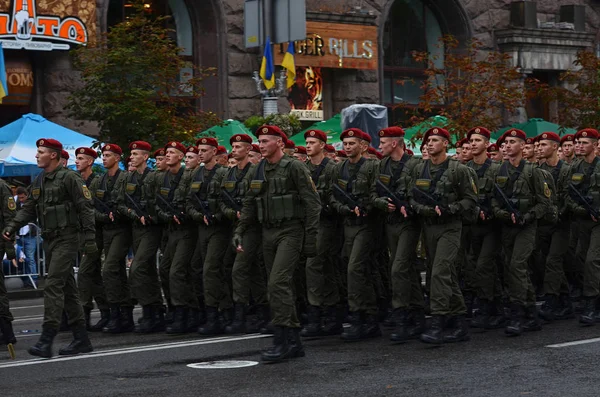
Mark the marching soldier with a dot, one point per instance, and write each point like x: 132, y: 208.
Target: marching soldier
x: 529, y: 150
x: 192, y: 158
x: 443, y: 192
x: 254, y: 156
x: 522, y: 197
x: 137, y: 203
x: 89, y: 276
x: 583, y: 204
x: 350, y: 197
x: 289, y: 147
x: 284, y: 199
x: 322, y: 288
x: 161, y: 164
x: 402, y: 230
x: 116, y: 238
x: 568, y: 148
x: 222, y: 156
x: 300, y: 153
x: 63, y: 202
x: 8, y: 209
x: 494, y: 153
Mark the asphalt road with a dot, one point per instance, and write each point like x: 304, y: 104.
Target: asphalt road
x: 157, y: 365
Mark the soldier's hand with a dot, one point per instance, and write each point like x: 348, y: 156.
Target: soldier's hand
x: 482, y: 215
x: 90, y: 247
x: 111, y: 216
x: 403, y: 211
x: 237, y: 242
x: 7, y: 233
x: 238, y: 214
x: 206, y: 220
x: 310, y: 246
x: 176, y: 220
x: 513, y: 218
x: 593, y: 218
x: 438, y: 210
x: 390, y: 205
x: 143, y: 220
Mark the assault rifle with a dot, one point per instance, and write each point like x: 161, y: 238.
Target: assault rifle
x: 430, y: 200
x: 179, y: 214
x: 235, y: 205
x: 139, y: 212
x: 205, y: 209
x: 583, y: 201
x: 394, y: 197
x: 348, y: 200
x: 509, y: 205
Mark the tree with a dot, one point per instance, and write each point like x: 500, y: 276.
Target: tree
x: 470, y: 87
x: 577, y: 95
x: 136, y: 86
x: 289, y: 123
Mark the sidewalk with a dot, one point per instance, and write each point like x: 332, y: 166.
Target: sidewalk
x: 14, y: 287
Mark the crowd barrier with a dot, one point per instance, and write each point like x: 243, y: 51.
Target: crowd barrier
x: 30, y: 263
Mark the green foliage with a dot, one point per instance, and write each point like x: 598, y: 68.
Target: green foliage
x: 290, y: 124
x: 253, y: 122
x: 133, y: 86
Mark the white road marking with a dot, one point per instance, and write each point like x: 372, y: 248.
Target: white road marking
x: 575, y: 343
x: 130, y: 350
x: 224, y: 364
x: 25, y: 307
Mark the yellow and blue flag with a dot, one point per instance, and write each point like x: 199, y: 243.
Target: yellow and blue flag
x: 289, y: 63
x: 267, y: 67
x: 3, y: 83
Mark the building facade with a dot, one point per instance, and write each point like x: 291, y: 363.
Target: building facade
x: 356, y: 51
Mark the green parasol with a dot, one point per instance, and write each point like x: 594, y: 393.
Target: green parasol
x: 226, y: 130
x: 333, y: 128
x: 534, y: 127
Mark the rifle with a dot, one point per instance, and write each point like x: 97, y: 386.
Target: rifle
x: 583, y: 201
x: 204, y: 208
x: 106, y: 209
x: 179, y: 214
x: 432, y: 201
x: 136, y: 207
x: 395, y: 199
x: 232, y: 203
x: 348, y: 200
x: 508, y: 205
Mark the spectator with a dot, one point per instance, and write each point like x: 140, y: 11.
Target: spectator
x: 27, y: 240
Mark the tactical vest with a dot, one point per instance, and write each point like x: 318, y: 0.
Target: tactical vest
x: 397, y: 181
x: 134, y: 189
x: 105, y: 192
x: 518, y: 186
x: 236, y: 186
x: 441, y: 186
x: 55, y: 206
x: 277, y: 198
x: 319, y: 178
x: 587, y: 182
x: 167, y: 189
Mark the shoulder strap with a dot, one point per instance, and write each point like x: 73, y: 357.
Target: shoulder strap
x: 484, y: 167
x: 438, y: 174
x: 259, y: 175
x: 353, y: 177
x: 316, y: 174
x: 175, y: 183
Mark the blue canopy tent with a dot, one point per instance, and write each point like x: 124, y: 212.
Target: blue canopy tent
x: 17, y: 144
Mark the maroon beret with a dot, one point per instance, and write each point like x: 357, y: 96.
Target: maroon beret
x: 175, y: 145
x: 515, y: 133
x: 159, y: 153
x: 255, y: 148
x: 355, y: 133
x: 479, y: 131
x: 289, y: 144
x: 587, y: 133
x: 371, y: 150
x: 193, y: 149
x: 300, y: 149
x: 391, y: 132
x: 87, y: 151
x: 64, y: 154
x: 316, y: 134
x: 329, y: 149
x: 271, y: 130
x: 437, y: 131
x: 207, y: 141
x: 341, y: 153
x: 221, y: 150
x: 240, y: 138
x: 109, y: 147
x: 49, y: 143
x: 567, y: 138
x: 493, y: 148
x: 530, y: 141
x: 410, y: 152
x: 140, y: 145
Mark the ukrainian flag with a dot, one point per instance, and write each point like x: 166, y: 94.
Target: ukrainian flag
x: 3, y: 84
x: 289, y: 64
x: 267, y: 67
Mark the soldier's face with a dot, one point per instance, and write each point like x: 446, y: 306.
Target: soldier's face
x: 232, y: 162
x: 479, y: 144
x: 528, y: 151
x: 514, y: 146
x: 173, y: 157
x: 206, y: 153
x: 269, y: 145
x: 254, y: 157
x: 240, y: 150
x: 110, y: 159
x: 314, y: 146
x: 45, y: 156
x: 588, y: 146
x: 436, y: 145
x: 496, y: 156
x: 192, y: 160
x: 222, y: 159
x: 331, y: 156
x: 83, y: 162
x: 138, y: 157
x: 467, y: 154
x: 567, y: 149
x: 546, y: 149
x: 300, y: 156
x: 388, y: 145
x: 353, y: 147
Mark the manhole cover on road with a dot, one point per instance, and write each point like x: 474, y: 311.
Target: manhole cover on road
x: 225, y: 364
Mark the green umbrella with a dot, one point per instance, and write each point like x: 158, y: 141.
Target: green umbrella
x: 226, y: 130
x: 333, y: 128
x: 421, y: 128
x: 534, y: 127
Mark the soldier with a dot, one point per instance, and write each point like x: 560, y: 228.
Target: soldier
x: 350, y: 198
x: 552, y: 236
x: 64, y: 158
x: 300, y: 153
x: 289, y: 148
x: 192, y: 158
x: 340, y: 155
x: 390, y: 195
x: 214, y: 234
x: 322, y: 288
x: 284, y: 199
x: 442, y: 192
x: 63, y: 202
x: 330, y: 152
x: 494, y: 152
x: 116, y: 238
x: 568, y: 149
x: 174, y: 266
x: 529, y: 150
x: 222, y: 156
x: 522, y: 197
x: 8, y: 209
x: 485, y: 237
x: 159, y: 156
x: 254, y: 156
x: 583, y: 203
x: 248, y: 275
x: 231, y: 161
x: 137, y: 203
x: 423, y: 149
x: 467, y: 154
x: 89, y: 276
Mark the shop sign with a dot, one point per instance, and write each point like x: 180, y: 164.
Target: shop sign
x: 334, y: 45
x: 24, y: 29
x: 306, y: 96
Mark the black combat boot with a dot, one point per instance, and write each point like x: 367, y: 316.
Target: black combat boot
x: 333, y: 321
x: 549, y: 308
x: 482, y: 318
x: 80, y: 344
x: 400, y: 333
x: 152, y: 320
x: 531, y: 320
x: 280, y: 349
x: 127, y: 322
x: 114, y: 323
x: 497, y: 318
x: 295, y: 342
x: 170, y: 314
x: 87, y: 316
x: 565, y: 308
x: 43, y: 348
x: 213, y: 324
x: 514, y: 326
x: 193, y: 320
x: 226, y: 317
x: 6, y: 329
x: 64, y: 322
x: 354, y: 332
x: 469, y: 298
x: 259, y: 320
x: 313, y: 328
x: 104, y: 319
x: 179, y: 324
x: 417, y: 318
x: 390, y: 320
x: 434, y: 334
x: 459, y: 332
x: 588, y: 314
x: 238, y: 325
x: 371, y: 327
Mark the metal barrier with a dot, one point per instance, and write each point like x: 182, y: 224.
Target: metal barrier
x: 21, y: 266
